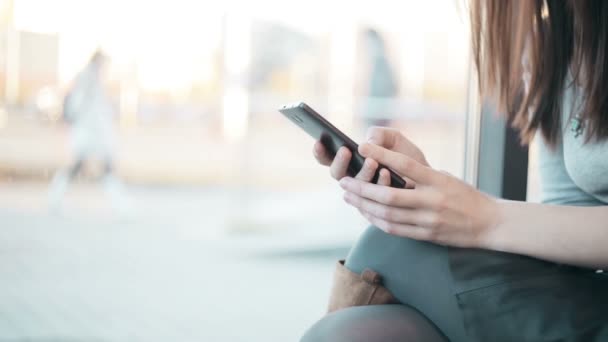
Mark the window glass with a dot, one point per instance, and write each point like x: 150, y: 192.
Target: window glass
x: 162, y: 196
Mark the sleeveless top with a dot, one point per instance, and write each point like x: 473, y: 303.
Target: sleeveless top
x: 575, y: 172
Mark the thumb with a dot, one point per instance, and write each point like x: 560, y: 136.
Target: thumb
x: 382, y: 136
x: 404, y: 165
x: 392, y: 139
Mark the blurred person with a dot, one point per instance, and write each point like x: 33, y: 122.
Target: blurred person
x: 381, y: 85
x: 453, y: 263
x: 89, y: 113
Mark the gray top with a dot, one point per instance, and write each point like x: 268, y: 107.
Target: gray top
x: 574, y: 173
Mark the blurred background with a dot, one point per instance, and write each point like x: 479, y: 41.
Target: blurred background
x: 218, y: 224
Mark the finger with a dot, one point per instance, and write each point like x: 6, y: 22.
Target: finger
x: 368, y: 170
x: 385, y: 178
x: 339, y: 166
x: 409, y: 184
x: 416, y: 217
x: 403, y: 230
x: 320, y: 153
x: 403, y: 164
x: 382, y: 136
x: 409, y: 198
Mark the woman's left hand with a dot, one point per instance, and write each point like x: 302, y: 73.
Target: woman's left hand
x: 441, y: 209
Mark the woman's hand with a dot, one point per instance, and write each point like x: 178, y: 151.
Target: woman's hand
x: 441, y: 209
x: 394, y: 140
x: 338, y: 165
x: 387, y: 137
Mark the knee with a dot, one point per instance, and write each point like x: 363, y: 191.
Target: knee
x: 378, y: 250
x: 339, y: 326
x: 370, y: 250
x: 376, y: 239
x: 375, y: 323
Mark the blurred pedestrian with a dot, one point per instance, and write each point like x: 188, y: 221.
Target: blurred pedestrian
x: 382, y: 85
x: 89, y: 112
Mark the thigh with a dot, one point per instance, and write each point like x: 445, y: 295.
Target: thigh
x: 374, y: 323
x: 417, y: 273
x: 507, y: 297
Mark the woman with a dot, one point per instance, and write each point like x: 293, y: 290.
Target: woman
x: 89, y: 112
x: 468, y: 267
x: 381, y: 83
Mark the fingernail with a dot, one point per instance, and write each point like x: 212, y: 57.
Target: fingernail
x: 344, y: 182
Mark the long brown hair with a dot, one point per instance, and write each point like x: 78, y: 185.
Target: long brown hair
x: 559, y: 38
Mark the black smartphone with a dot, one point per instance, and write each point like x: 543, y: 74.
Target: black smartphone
x: 332, y: 138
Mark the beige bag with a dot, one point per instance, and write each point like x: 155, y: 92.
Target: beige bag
x: 352, y: 289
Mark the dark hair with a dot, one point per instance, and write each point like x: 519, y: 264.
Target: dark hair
x: 560, y: 38
x: 375, y: 36
x: 98, y: 57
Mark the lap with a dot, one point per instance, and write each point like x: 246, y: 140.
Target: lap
x: 374, y: 323
x: 506, y: 297
x: 485, y: 295
x: 417, y: 273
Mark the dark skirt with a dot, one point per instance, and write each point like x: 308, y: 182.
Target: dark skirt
x: 477, y: 295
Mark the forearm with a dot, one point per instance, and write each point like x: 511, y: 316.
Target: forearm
x: 563, y: 234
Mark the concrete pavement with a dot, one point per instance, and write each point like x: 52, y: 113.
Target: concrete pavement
x: 184, y: 268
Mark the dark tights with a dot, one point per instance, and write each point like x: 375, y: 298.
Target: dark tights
x: 374, y: 323
x: 418, y: 274
x: 75, y: 168
x: 503, y: 297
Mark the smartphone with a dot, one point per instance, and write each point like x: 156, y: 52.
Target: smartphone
x: 332, y: 138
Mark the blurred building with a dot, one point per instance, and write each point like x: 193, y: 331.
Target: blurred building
x: 32, y: 67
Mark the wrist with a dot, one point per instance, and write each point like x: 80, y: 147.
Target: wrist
x: 496, y: 220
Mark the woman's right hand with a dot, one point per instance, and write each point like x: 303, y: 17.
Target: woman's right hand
x: 388, y: 138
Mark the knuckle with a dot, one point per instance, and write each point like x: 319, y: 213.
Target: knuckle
x: 390, y: 228
x: 384, y: 213
x: 407, y: 164
x: 359, y: 189
x: 435, y: 222
x: 432, y: 235
x: 391, y: 197
x: 441, y: 203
